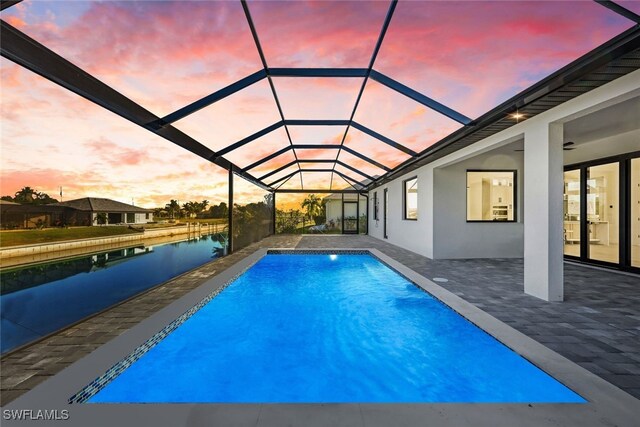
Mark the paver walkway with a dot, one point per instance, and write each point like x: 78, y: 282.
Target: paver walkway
x: 598, y: 326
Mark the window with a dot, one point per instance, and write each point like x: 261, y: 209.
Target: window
x: 146, y: 216
x: 385, y: 208
x: 411, y: 198
x: 375, y: 206
x: 491, y: 196
x: 131, y: 218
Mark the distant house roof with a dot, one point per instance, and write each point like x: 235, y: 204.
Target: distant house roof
x: 338, y: 196
x: 96, y: 204
x: 333, y: 196
x: 6, y: 202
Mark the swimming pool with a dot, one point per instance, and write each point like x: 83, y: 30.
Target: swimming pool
x: 323, y: 328
x: 37, y: 300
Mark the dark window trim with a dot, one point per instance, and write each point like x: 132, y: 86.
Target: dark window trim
x: 376, y: 216
x: 404, y: 199
x: 385, y: 212
x: 515, y: 197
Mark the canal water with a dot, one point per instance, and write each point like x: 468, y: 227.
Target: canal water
x: 37, y: 300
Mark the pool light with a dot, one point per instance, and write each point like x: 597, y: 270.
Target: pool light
x: 333, y: 257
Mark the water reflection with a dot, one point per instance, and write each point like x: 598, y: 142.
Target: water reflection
x: 37, y: 300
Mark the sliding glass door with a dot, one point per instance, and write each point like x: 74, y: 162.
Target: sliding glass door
x: 572, y: 213
x: 634, y: 214
x: 602, y: 212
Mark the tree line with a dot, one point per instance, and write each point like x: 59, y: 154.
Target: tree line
x: 29, y: 196
x: 191, y: 209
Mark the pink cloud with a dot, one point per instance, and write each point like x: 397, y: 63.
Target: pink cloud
x: 474, y: 55
x: 273, y: 164
x: 403, y: 120
x: 162, y: 54
x: 374, y: 149
x: 115, y: 155
x: 317, y: 98
x: 318, y: 33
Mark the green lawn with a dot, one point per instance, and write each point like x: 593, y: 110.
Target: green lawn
x: 30, y: 237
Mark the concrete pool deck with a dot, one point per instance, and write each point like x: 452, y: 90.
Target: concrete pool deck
x: 84, y: 338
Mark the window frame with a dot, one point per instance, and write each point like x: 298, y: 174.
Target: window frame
x: 376, y: 203
x: 515, y: 196
x: 404, y: 198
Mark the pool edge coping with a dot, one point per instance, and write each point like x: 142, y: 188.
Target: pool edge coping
x: 605, y: 402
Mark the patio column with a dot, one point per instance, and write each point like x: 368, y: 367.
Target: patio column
x: 543, y: 211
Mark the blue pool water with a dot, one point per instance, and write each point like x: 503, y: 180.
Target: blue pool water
x: 316, y: 328
x: 43, y: 298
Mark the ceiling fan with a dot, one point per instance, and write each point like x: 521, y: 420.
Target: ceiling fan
x: 566, y: 146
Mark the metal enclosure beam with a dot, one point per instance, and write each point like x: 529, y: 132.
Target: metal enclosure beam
x: 230, y: 218
x: 214, y: 97
x: 320, y: 191
x: 418, y: 97
x: 316, y: 122
x: 267, y: 158
x: 384, y: 139
x: 286, y: 177
x: 273, y: 211
x: 250, y: 138
x: 366, y: 159
x: 316, y: 146
x: 8, y: 3
x: 374, y: 55
x: 318, y: 72
x: 620, y: 10
x: 263, y: 59
x: 351, y: 168
x: 348, y: 178
x: 275, y: 171
x: 25, y: 51
x: 621, y: 45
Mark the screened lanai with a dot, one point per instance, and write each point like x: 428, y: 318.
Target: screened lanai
x: 320, y: 96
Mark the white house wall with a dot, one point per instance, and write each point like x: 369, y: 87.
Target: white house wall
x: 452, y: 232
x: 429, y: 235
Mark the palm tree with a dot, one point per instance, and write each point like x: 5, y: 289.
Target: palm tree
x: 173, y: 208
x: 312, y: 205
x: 28, y: 195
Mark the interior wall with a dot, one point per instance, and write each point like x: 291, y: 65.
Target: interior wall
x: 454, y: 237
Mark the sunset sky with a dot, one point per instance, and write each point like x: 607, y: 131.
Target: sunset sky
x: 468, y: 55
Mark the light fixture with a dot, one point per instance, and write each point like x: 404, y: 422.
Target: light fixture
x: 517, y: 116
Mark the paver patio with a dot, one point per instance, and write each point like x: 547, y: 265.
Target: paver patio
x: 598, y: 325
